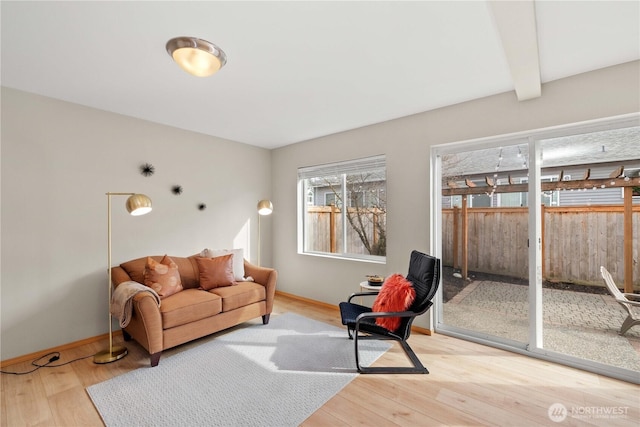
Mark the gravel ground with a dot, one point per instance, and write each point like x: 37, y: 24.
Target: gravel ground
x: 453, y: 285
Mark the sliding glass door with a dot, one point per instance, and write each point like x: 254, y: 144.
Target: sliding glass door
x: 523, y: 224
x: 484, y: 242
x: 593, y: 222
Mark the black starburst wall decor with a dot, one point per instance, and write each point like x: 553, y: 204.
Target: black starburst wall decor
x: 147, y: 169
x: 177, y: 190
x: 202, y: 206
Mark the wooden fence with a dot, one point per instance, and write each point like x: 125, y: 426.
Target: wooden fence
x: 325, y: 233
x: 577, y: 240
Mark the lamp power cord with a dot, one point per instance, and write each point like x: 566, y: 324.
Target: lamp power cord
x: 50, y: 359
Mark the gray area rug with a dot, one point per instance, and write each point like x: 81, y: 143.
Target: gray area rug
x: 263, y: 375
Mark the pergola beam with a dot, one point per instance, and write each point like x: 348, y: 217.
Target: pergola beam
x: 586, y: 184
x: 628, y: 240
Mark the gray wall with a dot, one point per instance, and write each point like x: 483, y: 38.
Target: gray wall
x: 406, y: 142
x: 58, y: 161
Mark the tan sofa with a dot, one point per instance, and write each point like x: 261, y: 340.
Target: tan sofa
x: 193, y: 312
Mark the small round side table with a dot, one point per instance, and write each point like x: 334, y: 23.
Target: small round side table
x: 365, y: 286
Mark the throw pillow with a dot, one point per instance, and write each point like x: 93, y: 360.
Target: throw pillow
x: 216, y: 272
x: 238, y: 260
x: 396, y: 294
x: 163, y: 277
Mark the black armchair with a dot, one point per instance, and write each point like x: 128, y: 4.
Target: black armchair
x: 424, y: 275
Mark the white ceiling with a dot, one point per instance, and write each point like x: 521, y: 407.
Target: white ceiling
x: 296, y: 70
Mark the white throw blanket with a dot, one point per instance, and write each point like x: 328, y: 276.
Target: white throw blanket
x: 122, y: 300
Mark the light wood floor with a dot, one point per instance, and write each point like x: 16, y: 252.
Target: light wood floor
x: 469, y: 384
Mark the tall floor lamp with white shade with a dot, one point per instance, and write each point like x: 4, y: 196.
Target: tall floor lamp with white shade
x: 137, y: 204
x: 265, y: 207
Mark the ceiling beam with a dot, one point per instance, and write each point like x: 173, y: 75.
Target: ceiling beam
x: 516, y: 24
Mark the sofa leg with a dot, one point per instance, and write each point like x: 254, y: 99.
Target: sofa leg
x: 265, y: 319
x: 155, y: 358
x: 126, y: 335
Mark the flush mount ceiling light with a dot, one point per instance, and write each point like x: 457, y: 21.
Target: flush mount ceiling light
x: 196, y: 56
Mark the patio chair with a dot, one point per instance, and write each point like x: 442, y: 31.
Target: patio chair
x: 424, y: 276
x: 630, y: 302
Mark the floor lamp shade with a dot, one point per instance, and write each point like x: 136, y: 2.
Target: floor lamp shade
x: 137, y: 204
x: 265, y: 207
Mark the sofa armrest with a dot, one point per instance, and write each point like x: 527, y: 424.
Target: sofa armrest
x: 264, y: 276
x: 146, y: 322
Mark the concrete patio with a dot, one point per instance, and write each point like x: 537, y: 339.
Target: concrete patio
x: 575, y: 323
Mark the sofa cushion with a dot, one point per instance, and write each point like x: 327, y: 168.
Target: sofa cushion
x: 189, y: 306
x: 163, y: 276
x: 242, y: 294
x: 238, y: 260
x: 216, y: 272
x: 188, y: 268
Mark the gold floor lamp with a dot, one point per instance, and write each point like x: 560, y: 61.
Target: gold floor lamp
x: 137, y: 204
x: 265, y: 207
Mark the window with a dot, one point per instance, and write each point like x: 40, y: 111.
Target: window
x: 550, y: 198
x: 632, y: 173
x: 350, y: 222
x: 512, y: 199
x: 330, y: 199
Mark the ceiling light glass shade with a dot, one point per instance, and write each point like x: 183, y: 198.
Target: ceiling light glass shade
x: 196, y: 56
x: 138, y: 204
x: 265, y: 207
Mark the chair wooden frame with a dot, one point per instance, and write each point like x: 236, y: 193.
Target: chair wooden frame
x: 630, y: 302
x: 424, y: 274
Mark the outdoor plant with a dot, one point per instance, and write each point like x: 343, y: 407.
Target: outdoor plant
x: 366, y: 209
